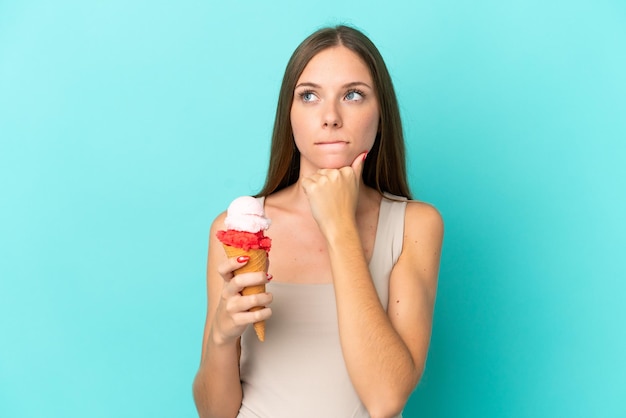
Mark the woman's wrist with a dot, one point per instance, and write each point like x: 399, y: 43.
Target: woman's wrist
x: 339, y: 231
x: 219, y: 340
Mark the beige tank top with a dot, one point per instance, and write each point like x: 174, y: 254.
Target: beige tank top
x: 299, y: 370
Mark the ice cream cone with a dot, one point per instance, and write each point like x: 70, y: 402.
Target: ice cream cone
x: 245, y: 222
x: 257, y: 262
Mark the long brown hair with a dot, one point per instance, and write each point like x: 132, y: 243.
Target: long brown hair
x: 385, y: 166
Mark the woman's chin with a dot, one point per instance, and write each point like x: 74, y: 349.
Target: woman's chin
x: 335, y: 161
x: 326, y: 162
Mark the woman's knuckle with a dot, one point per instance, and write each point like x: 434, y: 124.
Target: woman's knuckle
x: 257, y: 315
x: 232, y: 306
x: 238, y: 280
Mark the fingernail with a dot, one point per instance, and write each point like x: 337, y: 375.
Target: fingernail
x: 269, y: 276
x: 364, y: 156
x: 242, y: 258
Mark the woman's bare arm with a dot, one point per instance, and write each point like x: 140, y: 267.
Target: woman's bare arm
x: 384, y: 352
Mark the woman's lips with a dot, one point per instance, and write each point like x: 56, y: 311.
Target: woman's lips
x: 332, y: 146
x: 332, y: 143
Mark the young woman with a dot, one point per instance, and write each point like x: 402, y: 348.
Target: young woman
x: 354, y: 262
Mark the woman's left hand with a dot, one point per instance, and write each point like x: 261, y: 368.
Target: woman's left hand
x: 333, y: 193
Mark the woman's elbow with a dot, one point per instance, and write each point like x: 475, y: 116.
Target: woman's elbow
x: 390, y: 403
x: 385, y: 408
x: 387, y: 405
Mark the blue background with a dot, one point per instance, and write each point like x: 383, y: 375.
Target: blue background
x: 120, y: 122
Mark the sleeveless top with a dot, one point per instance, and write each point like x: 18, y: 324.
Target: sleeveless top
x: 299, y: 371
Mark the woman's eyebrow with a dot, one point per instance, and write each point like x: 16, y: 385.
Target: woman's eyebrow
x: 308, y: 84
x: 347, y: 85
x: 356, y: 83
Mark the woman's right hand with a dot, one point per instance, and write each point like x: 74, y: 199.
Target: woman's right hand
x: 232, y: 316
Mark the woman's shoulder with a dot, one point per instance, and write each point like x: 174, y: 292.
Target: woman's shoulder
x: 416, y: 208
x: 218, y: 222
x: 423, y: 217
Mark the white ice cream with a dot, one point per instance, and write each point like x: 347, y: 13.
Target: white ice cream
x: 246, y: 214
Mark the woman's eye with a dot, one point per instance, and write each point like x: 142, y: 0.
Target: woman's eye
x: 307, y: 96
x: 354, y: 95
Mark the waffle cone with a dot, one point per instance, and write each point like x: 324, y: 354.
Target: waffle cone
x: 257, y: 262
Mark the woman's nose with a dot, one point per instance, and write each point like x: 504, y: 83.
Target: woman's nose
x: 331, y: 117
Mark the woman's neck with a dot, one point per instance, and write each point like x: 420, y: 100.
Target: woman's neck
x: 293, y: 196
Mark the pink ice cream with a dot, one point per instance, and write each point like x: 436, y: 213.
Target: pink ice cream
x: 246, y: 214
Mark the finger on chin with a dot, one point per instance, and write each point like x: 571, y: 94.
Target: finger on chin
x: 358, y: 162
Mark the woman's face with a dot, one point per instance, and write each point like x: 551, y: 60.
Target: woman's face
x: 334, y: 113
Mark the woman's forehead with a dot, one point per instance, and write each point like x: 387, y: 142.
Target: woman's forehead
x: 336, y: 65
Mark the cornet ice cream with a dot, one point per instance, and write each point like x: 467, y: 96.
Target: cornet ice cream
x: 244, y: 235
